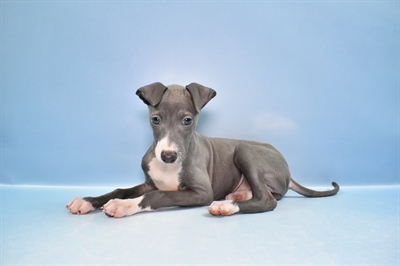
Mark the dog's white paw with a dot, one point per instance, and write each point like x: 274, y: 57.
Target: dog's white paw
x: 240, y: 195
x: 225, y: 208
x: 79, y: 206
x: 118, y: 208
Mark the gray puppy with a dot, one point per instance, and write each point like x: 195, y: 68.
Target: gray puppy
x: 185, y: 168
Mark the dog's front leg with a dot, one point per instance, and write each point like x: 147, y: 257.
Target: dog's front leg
x: 154, y: 200
x: 87, y: 204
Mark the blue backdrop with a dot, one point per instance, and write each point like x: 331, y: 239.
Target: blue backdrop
x: 319, y: 80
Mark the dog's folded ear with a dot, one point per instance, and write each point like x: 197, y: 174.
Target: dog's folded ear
x: 201, y: 95
x: 152, y: 94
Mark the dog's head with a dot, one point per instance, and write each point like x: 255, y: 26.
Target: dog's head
x: 173, y: 113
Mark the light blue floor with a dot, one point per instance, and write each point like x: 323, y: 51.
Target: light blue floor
x: 357, y: 226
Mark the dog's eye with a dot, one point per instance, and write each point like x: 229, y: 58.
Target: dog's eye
x: 187, y: 121
x: 156, y: 120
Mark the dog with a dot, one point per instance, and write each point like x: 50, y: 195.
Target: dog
x: 185, y: 168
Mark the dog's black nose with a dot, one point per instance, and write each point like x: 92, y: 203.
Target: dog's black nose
x: 169, y: 156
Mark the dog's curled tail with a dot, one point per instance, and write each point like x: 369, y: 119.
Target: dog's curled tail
x: 293, y: 185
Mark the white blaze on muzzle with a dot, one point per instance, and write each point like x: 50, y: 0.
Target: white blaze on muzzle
x: 166, y: 151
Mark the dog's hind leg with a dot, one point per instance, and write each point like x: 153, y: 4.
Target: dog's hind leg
x: 253, y: 205
x: 254, y: 163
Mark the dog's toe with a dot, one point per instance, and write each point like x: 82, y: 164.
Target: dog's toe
x: 214, y: 211
x: 109, y: 215
x: 79, y: 206
x: 118, y: 208
x: 225, y: 208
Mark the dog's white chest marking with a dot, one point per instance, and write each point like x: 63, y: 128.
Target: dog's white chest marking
x: 165, y: 176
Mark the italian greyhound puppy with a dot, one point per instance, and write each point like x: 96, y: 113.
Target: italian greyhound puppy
x: 185, y: 168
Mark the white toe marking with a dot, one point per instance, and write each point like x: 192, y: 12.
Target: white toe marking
x: 124, y: 207
x: 226, y: 207
x: 79, y: 206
